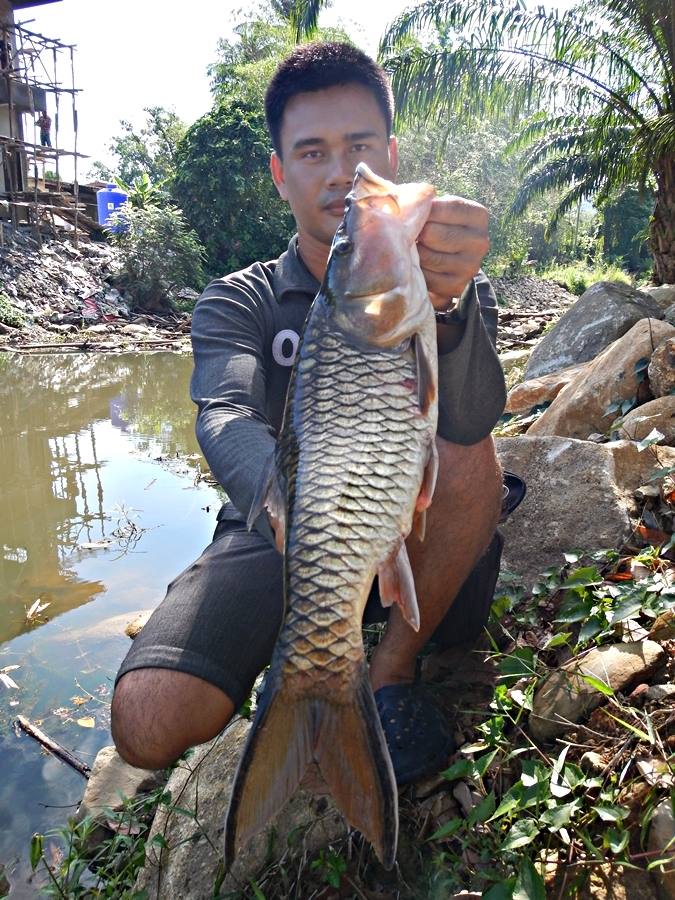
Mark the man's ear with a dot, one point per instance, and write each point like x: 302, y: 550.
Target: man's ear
x: 393, y: 154
x: 277, y: 170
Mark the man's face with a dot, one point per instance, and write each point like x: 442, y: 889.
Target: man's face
x: 324, y: 135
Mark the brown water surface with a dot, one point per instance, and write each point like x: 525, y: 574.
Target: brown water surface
x: 100, y: 507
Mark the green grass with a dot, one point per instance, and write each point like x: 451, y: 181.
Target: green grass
x: 579, y: 277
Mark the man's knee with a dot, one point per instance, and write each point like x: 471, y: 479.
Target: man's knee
x: 157, y: 714
x: 470, y: 476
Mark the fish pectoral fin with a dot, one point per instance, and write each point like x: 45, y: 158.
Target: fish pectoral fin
x: 397, y: 585
x: 270, y: 496
x: 429, y: 479
x: 427, y: 390
x: 275, y: 758
x: 354, y: 761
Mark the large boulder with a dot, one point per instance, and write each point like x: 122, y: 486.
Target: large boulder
x: 582, y: 408
x: 663, y: 294
x: 111, y: 781
x: 201, y: 787
x: 579, y: 497
x: 661, y: 369
x: 528, y: 394
x: 566, y: 697
x: 659, y: 414
x: 605, y: 312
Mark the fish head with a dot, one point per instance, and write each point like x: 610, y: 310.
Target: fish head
x: 374, y: 283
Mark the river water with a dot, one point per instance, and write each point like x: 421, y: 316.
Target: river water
x: 100, y: 507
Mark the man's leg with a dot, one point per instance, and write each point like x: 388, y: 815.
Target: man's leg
x: 195, y: 661
x: 460, y: 524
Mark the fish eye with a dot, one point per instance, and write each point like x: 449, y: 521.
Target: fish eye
x: 343, y: 246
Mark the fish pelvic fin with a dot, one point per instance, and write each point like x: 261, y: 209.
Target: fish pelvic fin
x: 346, y: 743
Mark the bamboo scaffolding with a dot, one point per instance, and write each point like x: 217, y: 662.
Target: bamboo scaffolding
x: 32, y: 62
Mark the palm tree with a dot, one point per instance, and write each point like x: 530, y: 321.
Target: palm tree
x: 603, y: 72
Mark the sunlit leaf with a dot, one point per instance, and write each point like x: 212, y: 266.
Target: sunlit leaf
x: 598, y: 685
x: 520, y: 834
x: 611, y: 813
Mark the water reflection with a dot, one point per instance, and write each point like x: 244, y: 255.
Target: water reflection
x: 91, y: 447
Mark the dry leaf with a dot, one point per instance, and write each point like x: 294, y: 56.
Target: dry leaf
x: 94, y: 545
x: 79, y: 701
x: 36, y: 609
x: 9, y: 668
x: 87, y: 722
x: 8, y: 682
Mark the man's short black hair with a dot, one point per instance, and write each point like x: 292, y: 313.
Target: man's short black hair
x: 318, y: 66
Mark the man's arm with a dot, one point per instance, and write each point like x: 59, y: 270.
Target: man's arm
x: 228, y: 386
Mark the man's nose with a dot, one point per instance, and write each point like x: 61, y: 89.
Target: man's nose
x: 341, y: 173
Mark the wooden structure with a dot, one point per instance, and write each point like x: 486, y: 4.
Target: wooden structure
x: 35, y: 69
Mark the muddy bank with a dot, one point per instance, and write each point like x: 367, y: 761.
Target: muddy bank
x: 66, y: 297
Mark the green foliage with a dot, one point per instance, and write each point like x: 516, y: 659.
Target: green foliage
x: 141, y: 192
x: 9, y: 314
x: 625, y: 216
x: 224, y: 185
x: 579, y: 277
x: 159, y: 253
x: 148, y: 151
x: 111, y: 868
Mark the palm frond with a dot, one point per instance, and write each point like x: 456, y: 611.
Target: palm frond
x: 304, y: 17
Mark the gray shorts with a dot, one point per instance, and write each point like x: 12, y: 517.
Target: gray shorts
x: 221, y: 616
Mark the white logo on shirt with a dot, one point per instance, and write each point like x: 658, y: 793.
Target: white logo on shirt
x: 281, y: 343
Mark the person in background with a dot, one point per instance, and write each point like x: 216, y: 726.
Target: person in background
x: 44, y: 123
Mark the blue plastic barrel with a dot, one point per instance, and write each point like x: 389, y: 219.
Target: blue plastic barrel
x: 108, y: 199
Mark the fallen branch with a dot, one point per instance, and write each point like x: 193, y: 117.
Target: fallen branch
x: 53, y: 747
x: 96, y: 345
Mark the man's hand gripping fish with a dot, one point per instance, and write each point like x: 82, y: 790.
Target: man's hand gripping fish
x: 354, y: 471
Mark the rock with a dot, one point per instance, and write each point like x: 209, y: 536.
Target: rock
x: 97, y: 329
x: 661, y: 369
x: 669, y: 314
x: 563, y: 477
x: 610, y: 881
x: 660, y: 692
x: 566, y: 697
x: 136, y: 625
x: 535, y: 391
x: 659, y: 414
x: 661, y: 840
x: 512, y: 358
x: 112, y: 779
x: 663, y: 627
x: 605, y: 312
x: 591, y: 762
x: 140, y: 330
x: 582, y: 407
x: 305, y: 825
x: 663, y: 294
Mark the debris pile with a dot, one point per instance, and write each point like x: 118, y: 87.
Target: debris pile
x: 64, y: 295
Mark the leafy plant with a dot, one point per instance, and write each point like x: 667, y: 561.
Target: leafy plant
x: 111, y: 868
x: 159, y: 253
x: 9, y: 314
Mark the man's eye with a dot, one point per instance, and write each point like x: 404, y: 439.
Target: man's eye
x: 312, y: 154
x: 360, y: 148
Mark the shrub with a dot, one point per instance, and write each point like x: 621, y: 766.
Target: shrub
x: 9, y: 315
x: 160, y: 254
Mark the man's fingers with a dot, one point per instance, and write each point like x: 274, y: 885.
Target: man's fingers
x: 466, y: 251
x: 449, y: 210
x: 445, y: 287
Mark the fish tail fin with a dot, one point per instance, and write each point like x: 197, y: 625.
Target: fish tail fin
x: 346, y: 742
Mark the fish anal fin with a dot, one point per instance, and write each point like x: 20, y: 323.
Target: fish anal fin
x: 354, y: 761
x: 427, y: 391
x: 397, y: 585
x: 419, y: 524
x: 275, y: 758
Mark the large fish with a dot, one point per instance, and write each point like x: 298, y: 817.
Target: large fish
x: 354, y: 470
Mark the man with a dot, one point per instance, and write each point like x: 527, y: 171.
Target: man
x: 44, y: 123
x: 328, y: 107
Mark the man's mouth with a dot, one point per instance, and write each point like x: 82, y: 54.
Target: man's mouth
x: 336, y: 208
